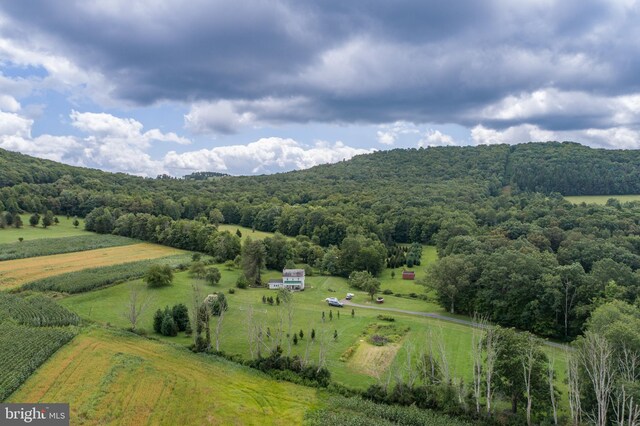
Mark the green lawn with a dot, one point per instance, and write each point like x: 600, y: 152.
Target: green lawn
x: 64, y: 229
x: 107, y: 306
x: 247, y: 232
x: 601, y: 199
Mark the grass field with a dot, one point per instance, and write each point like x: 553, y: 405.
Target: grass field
x: 107, y: 305
x: 601, y: 199
x: 64, y: 229
x: 111, y: 377
x: 247, y: 232
x: 14, y: 273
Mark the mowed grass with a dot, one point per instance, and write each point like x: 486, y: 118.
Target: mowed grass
x: 14, y: 273
x: 112, y: 377
x: 64, y: 229
x: 248, y: 232
x: 398, y: 285
x: 600, y: 199
x: 107, y: 306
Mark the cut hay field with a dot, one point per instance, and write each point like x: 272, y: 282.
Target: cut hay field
x: 247, y: 232
x: 601, y: 199
x: 14, y: 273
x: 112, y: 377
x: 64, y: 229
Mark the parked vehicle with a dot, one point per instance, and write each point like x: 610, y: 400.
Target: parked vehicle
x: 349, y: 296
x: 335, y: 303
x: 331, y: 299
x: 380, y: 300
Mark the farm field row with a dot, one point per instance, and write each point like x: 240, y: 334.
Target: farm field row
x: 50, y: 246
x: 63, y: 229
x: 112, y: 377
x: 14, y: 273
x: 600, y: 199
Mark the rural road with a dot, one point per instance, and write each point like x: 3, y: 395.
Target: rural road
x: 435, y: 316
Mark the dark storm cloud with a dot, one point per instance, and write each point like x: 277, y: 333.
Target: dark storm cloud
x: 351, y: 61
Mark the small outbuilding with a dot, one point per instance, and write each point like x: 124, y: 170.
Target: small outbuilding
x: 408, y: 275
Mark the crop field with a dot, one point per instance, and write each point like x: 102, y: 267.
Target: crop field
x: 14, y: 273
x: 49, y: 246
x: 111, y: 377
x: 35, y: 310
x: 23, y: 349
x: 64, y: 229
x: 93, y: 278
x: 341, y: 411
x: 601, y: 199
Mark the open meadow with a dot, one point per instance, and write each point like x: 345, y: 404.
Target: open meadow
x: 351, y: 358
x: 14, y: 273
x: 63, y: 229
x: 115, y: 377
x: 600, y: 199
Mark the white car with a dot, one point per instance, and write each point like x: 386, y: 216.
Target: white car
x: 331, y: 299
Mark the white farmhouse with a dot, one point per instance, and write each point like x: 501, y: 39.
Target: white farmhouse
x: 292, y: 279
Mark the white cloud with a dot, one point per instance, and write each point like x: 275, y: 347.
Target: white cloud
x: 613, y: 137
x: 262, y: 156
x: 12, y: 124
x: 386, y: 138
x: 436, y: 138
x: 390, y: 133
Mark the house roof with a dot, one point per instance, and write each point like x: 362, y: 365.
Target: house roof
x: 293, y: 273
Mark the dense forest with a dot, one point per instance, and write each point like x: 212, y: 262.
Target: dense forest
x: 510, y: 246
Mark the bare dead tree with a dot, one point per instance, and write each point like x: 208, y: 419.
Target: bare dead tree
x: 411, y: 372
x: 219, y: 327
x: 528, y: 361
x: 136, y: 306
x: 477, y: 344
x: 251, y: 332
x: 196, y: 299
x: 573, y: 381
x: 322, y: 348
x: 491, y: 351
x: 552, y: 393
x: 442, y: 357
x: 596, y: 357
x: 626, y: 409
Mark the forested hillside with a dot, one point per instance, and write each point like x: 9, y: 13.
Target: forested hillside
x: 527, y: 259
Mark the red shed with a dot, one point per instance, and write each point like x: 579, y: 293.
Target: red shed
x: 408, y: 275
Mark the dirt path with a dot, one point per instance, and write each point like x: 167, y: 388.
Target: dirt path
x: 435, y: 316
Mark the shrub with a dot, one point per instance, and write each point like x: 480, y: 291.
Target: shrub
x: 242, y: 282
x: 168, y: 327
x: 387, y: 291
x: 232, y: 291
x: 386, y: 318
x: 158, y: 275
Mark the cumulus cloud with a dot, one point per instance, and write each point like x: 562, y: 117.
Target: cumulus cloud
x: 613, y: 137
x: 121, y: 144
x: 435, y: 138
x: 508, y: 71
x: 266, y: 155
x: 390, y: 133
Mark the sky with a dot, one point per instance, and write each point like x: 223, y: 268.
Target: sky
x: 262, y: 86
